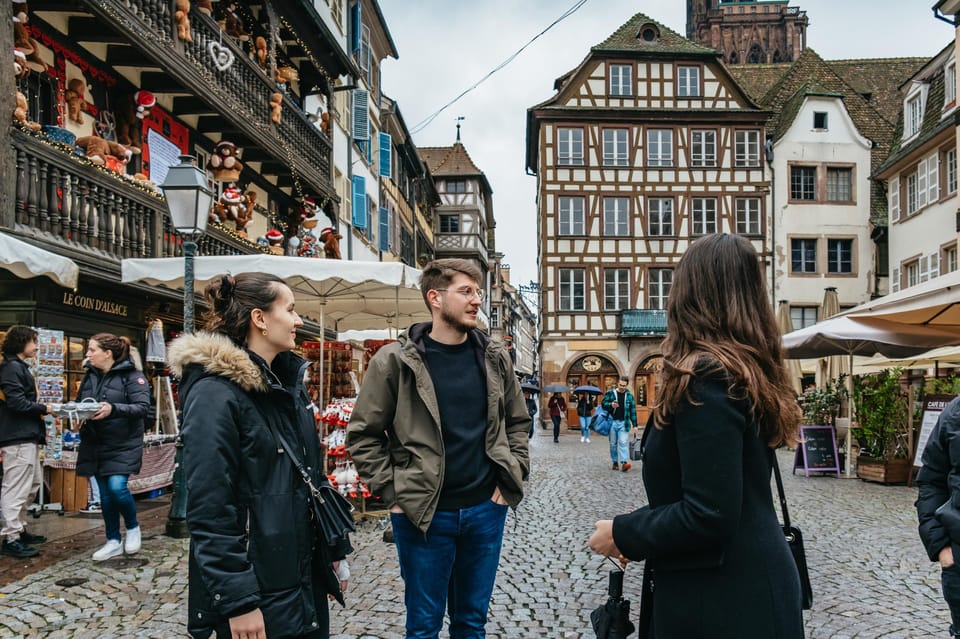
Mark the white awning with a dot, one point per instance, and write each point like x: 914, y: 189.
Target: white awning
x: 26, y: 260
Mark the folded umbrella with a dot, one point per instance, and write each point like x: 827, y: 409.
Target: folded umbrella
x: 612, y: 619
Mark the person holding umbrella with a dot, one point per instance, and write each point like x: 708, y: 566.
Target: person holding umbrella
x: 557, y: 407
x: 717, y: 563
x: 584, y: 411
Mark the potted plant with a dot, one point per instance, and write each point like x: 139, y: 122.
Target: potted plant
x: 881, y: 429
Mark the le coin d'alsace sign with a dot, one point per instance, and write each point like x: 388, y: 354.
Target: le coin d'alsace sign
x: 100, y: 305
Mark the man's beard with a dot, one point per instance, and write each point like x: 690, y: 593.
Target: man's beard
x: 453, y: 322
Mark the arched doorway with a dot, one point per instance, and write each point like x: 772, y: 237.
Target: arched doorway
x: 646, y: 386
x: 589, y: 370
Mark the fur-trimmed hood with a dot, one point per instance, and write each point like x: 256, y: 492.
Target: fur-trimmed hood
x: 217, y: 355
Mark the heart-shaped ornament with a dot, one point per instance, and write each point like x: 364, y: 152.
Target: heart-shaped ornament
x: 222, y: 56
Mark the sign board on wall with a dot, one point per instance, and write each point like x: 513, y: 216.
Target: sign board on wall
x: 165, y: 140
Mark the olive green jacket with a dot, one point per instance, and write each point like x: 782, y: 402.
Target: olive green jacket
x: 394, y: 433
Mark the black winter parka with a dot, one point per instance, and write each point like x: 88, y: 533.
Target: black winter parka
x: 938, y: 500
x: 247, y: 508
x: 114, y: 445
x: 21, y: 417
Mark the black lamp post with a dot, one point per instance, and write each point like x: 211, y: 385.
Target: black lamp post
x: 189, y: 199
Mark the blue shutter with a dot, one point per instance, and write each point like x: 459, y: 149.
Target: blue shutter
x: 384, y: 229
x: 355, y: 24
x: 361, y: 117
x: 386, y: 155
x: 359, y: 203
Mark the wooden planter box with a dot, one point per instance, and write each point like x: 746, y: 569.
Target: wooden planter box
x: 892, y: 471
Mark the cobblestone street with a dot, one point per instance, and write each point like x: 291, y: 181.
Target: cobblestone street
x: 870, y: 575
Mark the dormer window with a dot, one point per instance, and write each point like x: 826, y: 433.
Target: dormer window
x: 950, y: 85
x: 913, y: 108
x: 649, y: 33
x: 819, y: 120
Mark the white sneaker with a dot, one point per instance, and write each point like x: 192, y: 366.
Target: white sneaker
x: 582, y: 439
x: 588, y: 440
x: 132, y: 543
x: 113, y: 548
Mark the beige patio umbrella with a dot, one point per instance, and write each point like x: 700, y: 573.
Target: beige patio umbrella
x: 792, y: 365
x: 836, y: 365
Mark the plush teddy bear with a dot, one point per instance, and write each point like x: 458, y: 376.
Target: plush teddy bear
x: 20, y: 114
x: 230, y: 207
x: 260, y: 47
x: 182, y: 19
x: 97, y: 149
x: 276, y: 107
x: 308, y: 212
x: 205, y: 7
x: 224, y: 162
x: 144, y: 180
x: 244, y: 216
x: 331, y: 244
x: 286, y: 75
x: 275, y: 238
x: 232, y: 25
x: 129, y: 113
x: 22, y: 39
x: 75, y: 97
x: 325, y: 122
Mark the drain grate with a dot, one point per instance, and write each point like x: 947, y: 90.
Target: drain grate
x: 71, y: 581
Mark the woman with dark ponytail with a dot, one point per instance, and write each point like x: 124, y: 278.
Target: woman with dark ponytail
x: 111, y: 440
x: 256, y: 569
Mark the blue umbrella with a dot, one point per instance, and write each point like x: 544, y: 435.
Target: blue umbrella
x: 593, y: 390
x: 556, y: 388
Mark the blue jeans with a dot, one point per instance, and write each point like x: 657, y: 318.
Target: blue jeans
x: 116, y: 500
x: 619, y: 442
x: 452, y: 566
x: 585, y: 426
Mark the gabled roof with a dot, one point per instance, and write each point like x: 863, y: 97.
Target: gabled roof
x: 627, y: 38
x: 880, y: 79
x: 933, y: 124
x: 452, y: 161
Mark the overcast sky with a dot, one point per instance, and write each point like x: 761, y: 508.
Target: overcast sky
x: 445, y: 46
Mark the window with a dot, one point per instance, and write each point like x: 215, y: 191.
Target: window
x: 803, y: 255
x: 839, y: 256
x: 449, y: 223
x: 659, y: 147
x: 748, y: 216
x: 621, y: 79
x: 660, y: 212
x: 616, y: 216
x: 703, y: 148
x: 572, y: 289
x: 494, y: 317
x: 819, y: 120
x: 688, y: 82
x: 746, y: 148
x: 839, y: 184
x: 912, y: 194
x: 570, y: 147
x: 615, y: 147
x: 913, y: 116
x: 951, y: 162
x: 913, y: 272
x: 658, y: 288
x: 704, y: 210
x: 803, y: 316
x: 616, y: 289
x: 803, y: 183
x: 571, y: 213
x: 949, y: 85
x: 949, y: 260
x: 456, y: 186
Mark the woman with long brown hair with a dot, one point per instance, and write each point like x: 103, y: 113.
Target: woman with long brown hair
x: 717, y: 563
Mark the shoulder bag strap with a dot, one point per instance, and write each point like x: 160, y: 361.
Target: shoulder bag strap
x: 288, y: 450
x: 783, y: 498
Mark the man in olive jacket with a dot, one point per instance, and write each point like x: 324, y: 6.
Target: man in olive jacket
x: 440, y: 432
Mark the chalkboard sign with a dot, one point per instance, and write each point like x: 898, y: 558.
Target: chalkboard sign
x: 817, y: 451
x: 933, y: 405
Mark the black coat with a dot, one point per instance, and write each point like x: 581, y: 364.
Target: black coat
x: 21, y: 417
x: 247, y: 508
x: 114, y: 445
x: 714, y: 547
x: 938, y: 500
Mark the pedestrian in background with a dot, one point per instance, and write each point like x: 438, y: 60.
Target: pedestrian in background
x: 531, y: 409
x: 253, y: 568
x: 584, y: 412
x: 938, y: 505
x: 22, y: 433
x: 111, y: 440
x: 717, y: 564
x: 620, y: 404
x: 448, y: 484
x: 557, y: 406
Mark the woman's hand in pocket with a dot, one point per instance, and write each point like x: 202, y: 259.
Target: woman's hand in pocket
x: 946, y: 557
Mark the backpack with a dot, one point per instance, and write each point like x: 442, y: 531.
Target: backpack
x: 601, y: 421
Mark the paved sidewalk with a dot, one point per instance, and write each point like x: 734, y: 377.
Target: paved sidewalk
x: 870, y: 575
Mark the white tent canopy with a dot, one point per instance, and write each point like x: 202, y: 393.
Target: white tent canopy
x: 935, y: 302
x: 26, y: 261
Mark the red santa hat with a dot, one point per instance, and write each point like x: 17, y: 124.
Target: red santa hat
x: 324, y: 231
x: 233, y: 195
x: 144, y: 101
x: 274, y: 236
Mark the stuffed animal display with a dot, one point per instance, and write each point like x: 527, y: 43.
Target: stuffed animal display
x: 97, y: 149
x: 276, y: 107
x: 182, y: 19
x: 260, y: 48
x: 75, y: 97
x: 231, y: 23
x: 21, y: 110
x: 225, y: 162
x: 286, y: 75
x: 230, y: 207
x: 331, y: 243
x: 275, y: 238
x: 130, y: 111
x: 21, y: 37
x: 308, y: 212
x: 245, y: 214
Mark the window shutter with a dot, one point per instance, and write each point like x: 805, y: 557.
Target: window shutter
x: 386, y: 155
x: 361, y: 118
x: 384, y: 231
x: 359, y: 202
x: 933, y: 179
x: 921, y: 185
x: 923, y: 269
x: 895, y: 198
x: 934, y: 265
x: 355, y: 25
x: 895, y: 280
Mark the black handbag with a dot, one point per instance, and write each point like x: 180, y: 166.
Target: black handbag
x: 794, y: 541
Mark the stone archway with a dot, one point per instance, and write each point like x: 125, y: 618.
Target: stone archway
x: 590, y: 370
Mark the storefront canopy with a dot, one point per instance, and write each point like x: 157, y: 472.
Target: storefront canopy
x: 26, y: 260
x: 342, y: 295
x: 935, y: 302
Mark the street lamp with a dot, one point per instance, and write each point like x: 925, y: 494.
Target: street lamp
x: 189, y: 199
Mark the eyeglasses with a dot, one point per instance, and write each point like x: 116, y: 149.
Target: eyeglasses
x: 468, y: 293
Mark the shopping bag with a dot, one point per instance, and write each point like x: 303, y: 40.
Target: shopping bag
x: 601, y: 421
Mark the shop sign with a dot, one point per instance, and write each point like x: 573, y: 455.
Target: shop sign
x: 100, y: 305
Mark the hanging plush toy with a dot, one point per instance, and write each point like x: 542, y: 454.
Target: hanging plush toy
x: 130, y: 111
x: 21, y: 37
x: 98, y: 150
x: 21, y: 111
x: 285, y: 75
x: 308, y: 212
x: 276, y: 107
x: 182, y: 19
x: 230, y: 207
x: 260, y: 46
x: 224, y: 162
x: 232, y: 25
x: 331, y: 244
x: 75, y: 97
x: 245, y: 213
x: 275, y: 238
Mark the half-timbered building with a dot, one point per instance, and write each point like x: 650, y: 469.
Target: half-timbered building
x: 645, y: 146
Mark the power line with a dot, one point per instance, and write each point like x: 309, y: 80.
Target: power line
x: 430, y: 118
